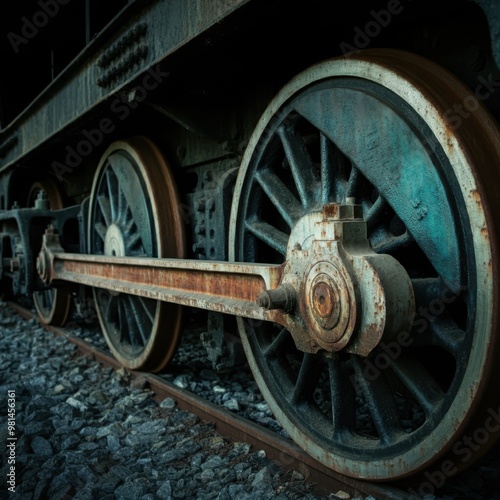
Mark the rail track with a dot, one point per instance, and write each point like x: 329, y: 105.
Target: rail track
x: 235, y: 427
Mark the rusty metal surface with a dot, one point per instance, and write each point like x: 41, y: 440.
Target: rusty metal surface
x: 216, y: 286
x: 237, y: 428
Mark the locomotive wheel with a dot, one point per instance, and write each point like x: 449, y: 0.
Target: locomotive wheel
x: 134, y: 211
x: 380, y: 126
x: 52, y: 305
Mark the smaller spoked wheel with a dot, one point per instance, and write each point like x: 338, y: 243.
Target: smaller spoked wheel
x: 133, y: 189
x: 52, y: 305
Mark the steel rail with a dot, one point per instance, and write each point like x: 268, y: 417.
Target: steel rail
x: 235, y: 427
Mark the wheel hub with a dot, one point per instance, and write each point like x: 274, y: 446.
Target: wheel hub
x: 345, y: 295
x: 114, y: 243
x: 114, y: 246
x: 328, y: 302
x: 323, y: 299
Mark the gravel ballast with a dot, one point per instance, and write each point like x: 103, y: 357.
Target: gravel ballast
x: 86, y: 432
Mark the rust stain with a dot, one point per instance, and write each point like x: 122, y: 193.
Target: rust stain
x: 236, y: 286
x: 476, y: 196
x: 331, y: 211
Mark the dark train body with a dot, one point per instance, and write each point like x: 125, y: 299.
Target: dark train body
x: 89, y: 90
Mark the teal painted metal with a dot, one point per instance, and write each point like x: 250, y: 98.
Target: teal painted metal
x: 399, y: 160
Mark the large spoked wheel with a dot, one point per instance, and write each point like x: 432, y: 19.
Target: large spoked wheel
x: 134, y: 212
x: 379, y: 127
x: 52, y: 305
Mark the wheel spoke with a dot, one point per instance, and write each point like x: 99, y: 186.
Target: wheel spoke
x: 132, y: 242
x: 301, y: 166
x: 307, y: 379
x: 129, y: 223
x: 419, y: 382
x: 43, y: 299
x: 378, y: 396
x: 100, y: 230
x: 342, y: 396
x: 285, y: 202
x: 127, y: 323
x: 149, y: 307
x: 444, y: 333
x: 278, y: 344
x: 428, y: 290
x: 353, y: 183
x: 434, y: 324
x: 123, y: 334
x: 376, y: 212
x: 394, y: 244
x: 271, y: 236
x: 141, y: 325
x: 105, y: 209
x: 111, y: 309
x: 49, y: 297
x: 122, y: 207
x: 112, y: 193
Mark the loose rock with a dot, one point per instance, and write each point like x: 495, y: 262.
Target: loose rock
x: 85, y: 433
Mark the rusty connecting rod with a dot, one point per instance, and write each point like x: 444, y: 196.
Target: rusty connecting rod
x: 225, y: 287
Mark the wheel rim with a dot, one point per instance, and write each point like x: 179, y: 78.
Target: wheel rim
x: 133, y: 185
x: 343, y: 129
x: 52, y: 305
